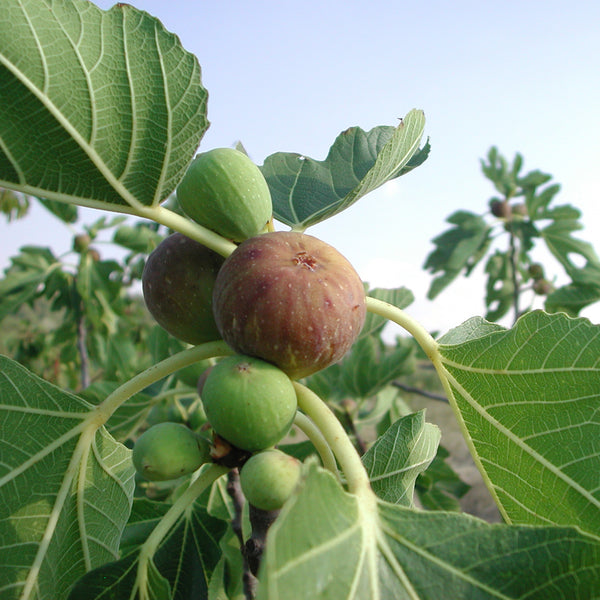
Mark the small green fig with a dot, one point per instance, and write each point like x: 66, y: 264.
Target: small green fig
x: 290, y: 299
x: 268, y: 478
x: 169, y: 451
x: 536, y: 271
x: 542, y: 287
x: 248, y: 402
x: 177, y: 283
x: 520, y: 209
x: 81, y: 242
x: 226, y: 192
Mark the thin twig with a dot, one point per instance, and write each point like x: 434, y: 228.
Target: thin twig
x: 234, y: 490
x: 414, y: 390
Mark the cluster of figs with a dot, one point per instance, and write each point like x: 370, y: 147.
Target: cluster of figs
x: 286, y: 303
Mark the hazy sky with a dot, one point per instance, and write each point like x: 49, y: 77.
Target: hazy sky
x: 524, y: 76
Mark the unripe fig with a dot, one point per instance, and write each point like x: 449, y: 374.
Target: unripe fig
x: 520, y: 209
x: 536, y: 271
x: 269, y: 478
x: 225, y: 191
x: 248, y: 402
x: 177, y: 283
x: 290, y: 299
x: 168, y: 451
x: 542, y: 287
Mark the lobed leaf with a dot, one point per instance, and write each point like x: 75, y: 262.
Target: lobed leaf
x: 331, y: 545
x: 528, y: 398
x: 181, y: 568
x: 306, y: 191
x: 98, y: 108
x: 65, y: 488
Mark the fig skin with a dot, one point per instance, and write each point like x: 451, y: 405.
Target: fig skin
x: 226, y: 192
x: 168, y: 451
x: 177, y: 283
x: 268, y: 479
x: 290, y: 299
x: 248, y: 402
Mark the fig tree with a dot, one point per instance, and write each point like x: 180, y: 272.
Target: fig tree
x: 290, y: 299
x: 226, y: 192
x: 168, y: 451
x: 268, y: 478
x: 249, y: 402
x: 177, y: 283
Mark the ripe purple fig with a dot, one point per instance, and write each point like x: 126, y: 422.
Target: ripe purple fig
x: 177, y: 283
x: 290, y: 299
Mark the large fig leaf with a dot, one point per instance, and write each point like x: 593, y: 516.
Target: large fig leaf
x: 66, y: 488
x: 529, y: 399
x: 331, y: 545
x: 99, y: 108
x: 306, y: 191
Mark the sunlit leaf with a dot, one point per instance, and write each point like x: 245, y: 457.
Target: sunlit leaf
x: 99, y: 108
x: 528, y: 398
x: 306, y: 191
x: 331, y: 545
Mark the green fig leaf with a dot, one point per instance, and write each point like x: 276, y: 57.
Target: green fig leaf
x: 97, y: 108
x: 306, y: 191
x: 357, y: 547
x: 57, y: 471
x: 528, y: 398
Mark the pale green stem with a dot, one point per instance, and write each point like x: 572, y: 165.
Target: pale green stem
x: 337, y: 439
x: 155, y: 373
x: 206, y: 478
x: 398, y: 316
x: 193, y: 230
x: 313, y: 433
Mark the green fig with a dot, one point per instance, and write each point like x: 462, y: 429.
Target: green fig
x: 226, y: 192
x: 169, y: 451
x: 248, y: 402
x: 268, y: 478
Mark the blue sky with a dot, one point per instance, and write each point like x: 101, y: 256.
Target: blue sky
x: 524, y: 76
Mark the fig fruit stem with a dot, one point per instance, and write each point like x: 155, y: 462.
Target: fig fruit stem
x: 313, y: 433
x: 156, y: 372
x: 398, y: 316
x: 187, y: 227
x: 350, y: 463
x: 205, y: 478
